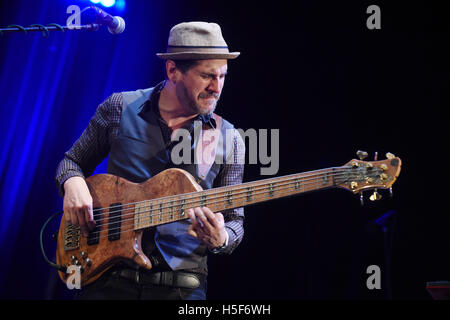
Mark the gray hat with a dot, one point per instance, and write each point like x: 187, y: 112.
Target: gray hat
x: 197, y: 40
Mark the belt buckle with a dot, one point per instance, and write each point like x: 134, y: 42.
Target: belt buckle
x: 187, y: 281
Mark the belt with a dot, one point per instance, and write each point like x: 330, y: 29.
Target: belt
x: 164, y: 278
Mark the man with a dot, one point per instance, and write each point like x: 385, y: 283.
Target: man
x: 136, y: 130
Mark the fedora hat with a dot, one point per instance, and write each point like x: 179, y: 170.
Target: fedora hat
x: 197, y: 41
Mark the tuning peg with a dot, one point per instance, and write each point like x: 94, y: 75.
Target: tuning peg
x: 375, y: 157
x: 362, y: 154
x: 390, y: 155
x: 375, y: 196
x: 391, y: 193
x: 361, y: 198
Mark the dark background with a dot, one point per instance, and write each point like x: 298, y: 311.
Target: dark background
x: 311, y: 69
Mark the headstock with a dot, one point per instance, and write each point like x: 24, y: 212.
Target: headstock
x: 359, y: 175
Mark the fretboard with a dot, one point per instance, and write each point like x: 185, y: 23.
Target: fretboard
x: 173, y: 208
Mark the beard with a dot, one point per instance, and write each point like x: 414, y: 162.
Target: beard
x: 209, y: 109
x: 193, y: 103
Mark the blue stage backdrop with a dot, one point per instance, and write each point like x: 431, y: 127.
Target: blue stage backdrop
x: 50, y: 88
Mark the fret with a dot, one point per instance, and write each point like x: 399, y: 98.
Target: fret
x: 143, y: 216
x: 296, y: 184
x: 139, y: 215
x: 171, y: 210
x: 150, y: 213
x: 325, y: 179
x: 182, y: 213
x: 249, y: 194
x: 161, y: 211
x: 271, y: 190
x: 203, y: 200
x: 230, y: 198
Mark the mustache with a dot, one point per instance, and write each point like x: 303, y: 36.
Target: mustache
x: 209, y: 95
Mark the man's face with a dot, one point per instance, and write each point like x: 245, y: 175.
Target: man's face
x: 201, y: 86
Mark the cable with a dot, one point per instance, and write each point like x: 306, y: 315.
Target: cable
x: 52, y: 264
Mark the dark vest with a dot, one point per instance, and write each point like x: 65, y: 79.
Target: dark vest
x: 139, y: 153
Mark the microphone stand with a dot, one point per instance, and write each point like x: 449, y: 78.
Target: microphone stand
x: 54, y: 26
x: 383, y: 223
x: 46, y: 29
x: 387, y: 259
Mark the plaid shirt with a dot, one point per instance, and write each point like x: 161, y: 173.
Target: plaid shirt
x: 95, y: 143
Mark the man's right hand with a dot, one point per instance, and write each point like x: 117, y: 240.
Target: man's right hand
x: 78, y: 204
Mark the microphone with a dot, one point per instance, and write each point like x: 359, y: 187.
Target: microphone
x: 115, y: 24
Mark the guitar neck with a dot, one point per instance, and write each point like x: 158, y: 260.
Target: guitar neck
x: 169, y: 209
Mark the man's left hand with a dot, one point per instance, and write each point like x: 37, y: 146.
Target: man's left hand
x: 207, y: 226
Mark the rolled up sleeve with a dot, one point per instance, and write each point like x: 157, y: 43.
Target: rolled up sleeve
x: 94, y: 143
x: 232, y: 174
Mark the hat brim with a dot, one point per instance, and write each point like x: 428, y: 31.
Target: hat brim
x: 197, y: 55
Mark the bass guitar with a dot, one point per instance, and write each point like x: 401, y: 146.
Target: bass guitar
x: 123, y: 209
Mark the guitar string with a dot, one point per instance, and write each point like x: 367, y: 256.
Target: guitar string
x: 170, y: 200
x: 194, y: 200
x: 293, y: 176
x: 131, y: 225
x: 160, y: 215
x: 174, y: 200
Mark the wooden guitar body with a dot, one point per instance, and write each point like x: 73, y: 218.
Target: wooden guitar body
x: 116, y: 237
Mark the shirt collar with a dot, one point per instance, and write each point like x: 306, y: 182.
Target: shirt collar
x: 151, y: 105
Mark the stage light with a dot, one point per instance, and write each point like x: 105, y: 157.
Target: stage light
x: 116, y: 4
x: 108, y: 3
